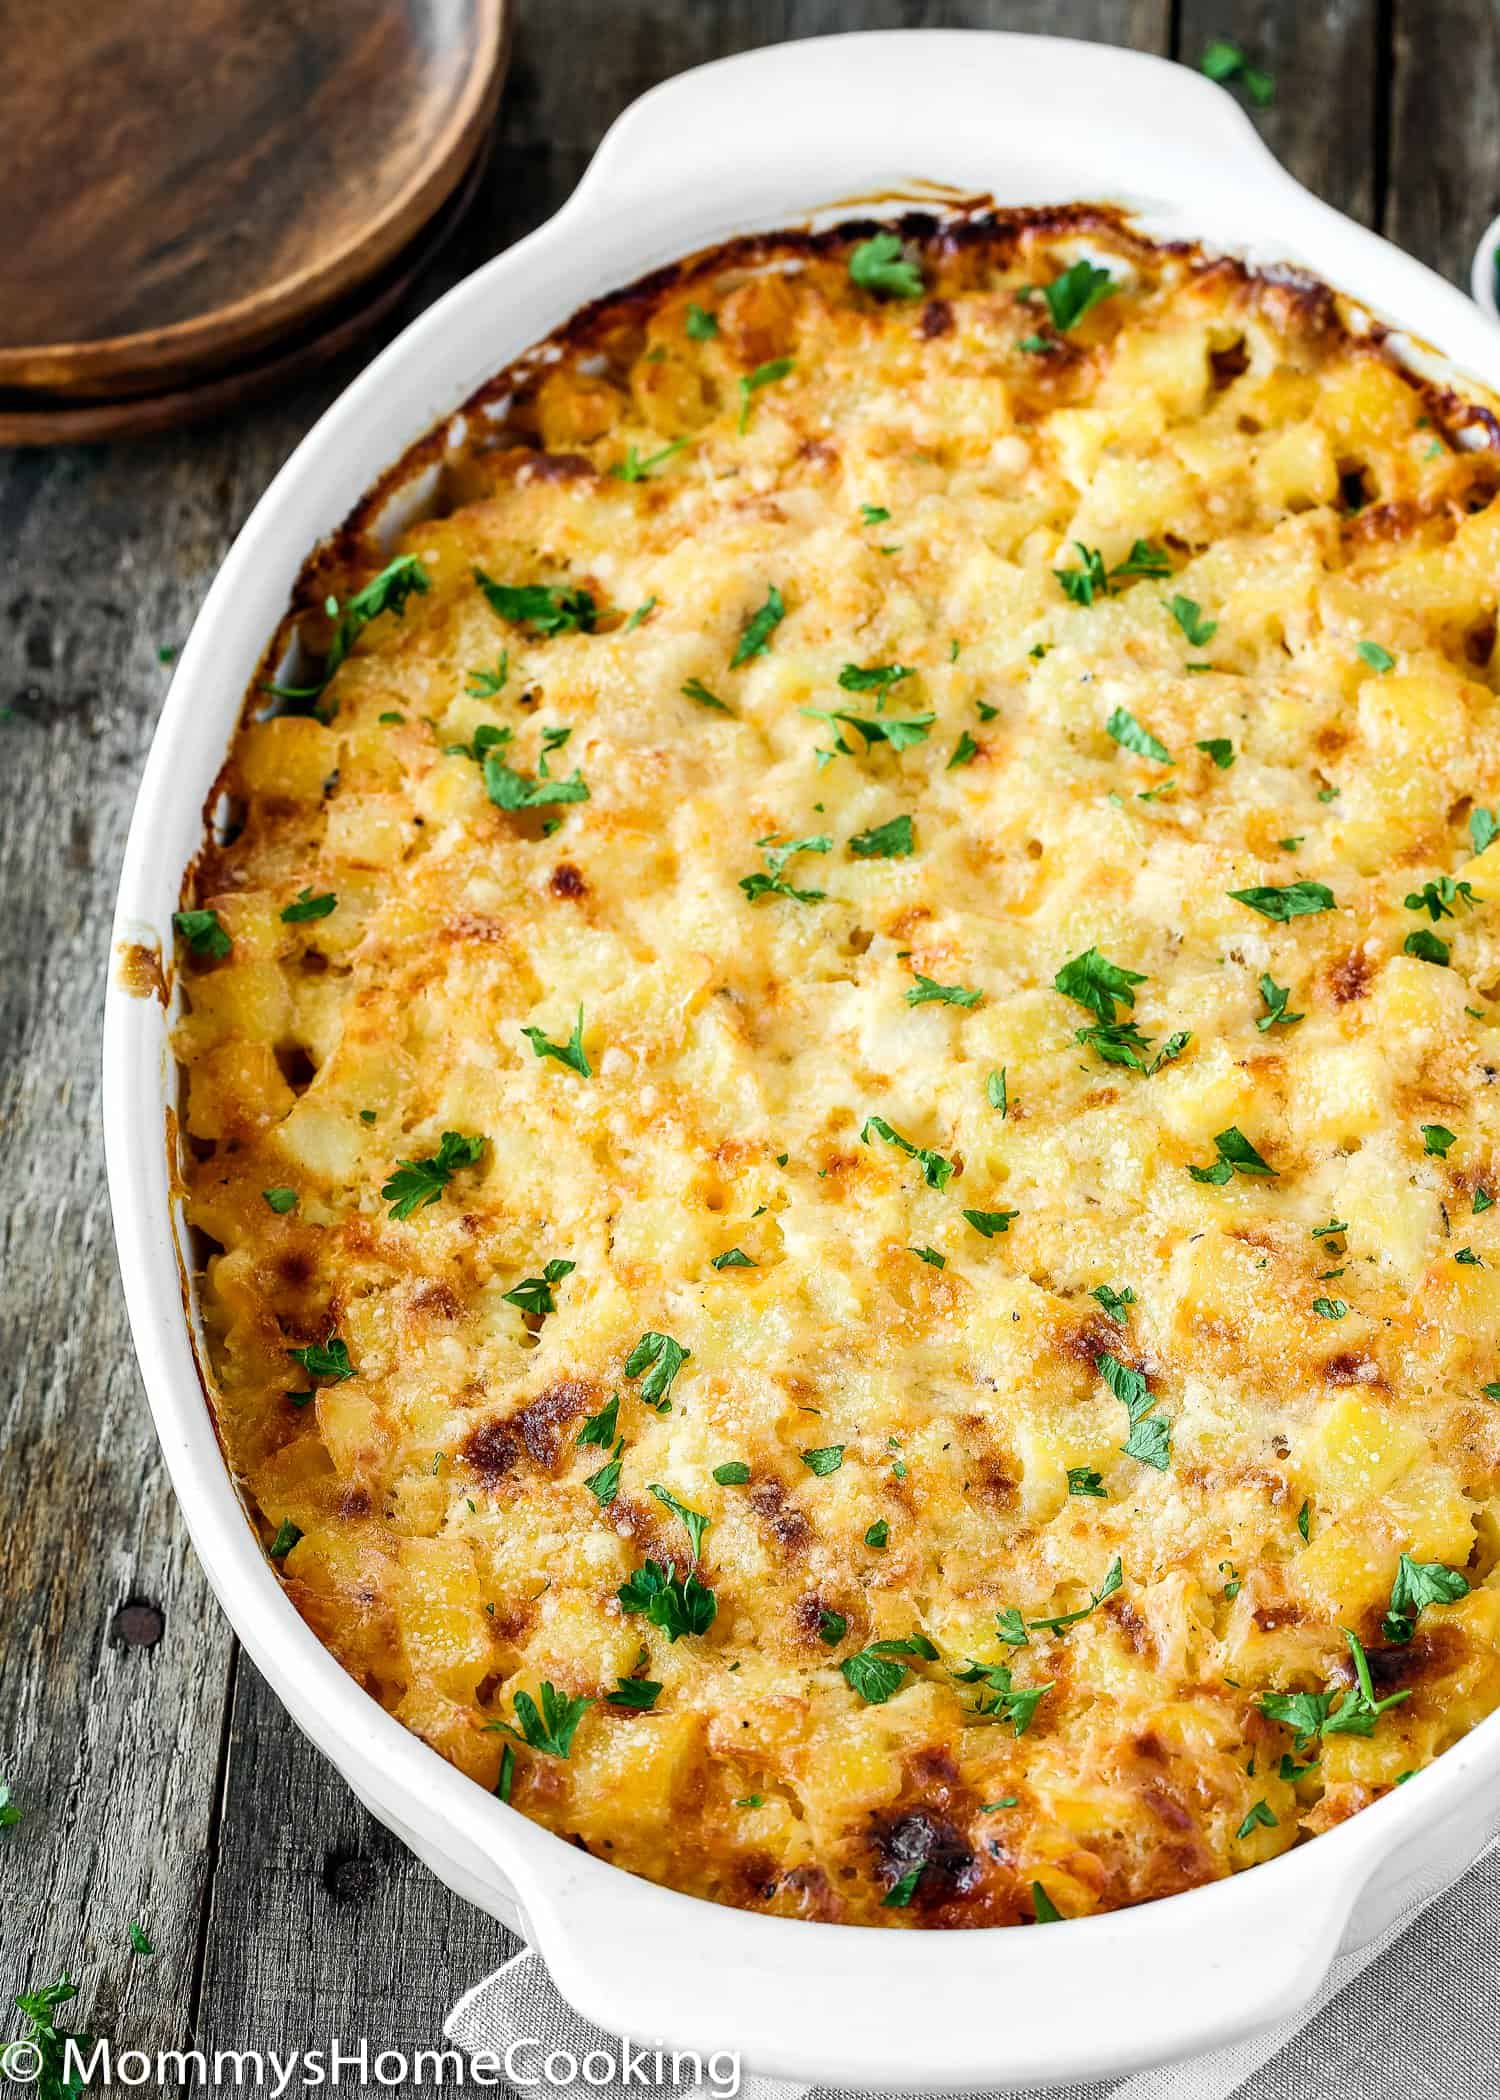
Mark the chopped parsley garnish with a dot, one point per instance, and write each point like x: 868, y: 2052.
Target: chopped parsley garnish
x: 1150, y: 1437
x: 1112, y: 1581
x: 1377, y: 658
x: 534, y: 1293
x: 880, y: 265
x: 876, y: 1674
x: 385, y: 593
x: 937, y: 1172
x: 1235, y: 1583
x: 989, y: 1222
x: 674, y: 1603
x: 1304, y: 1521
x: 418, y: 1182
x: 1095, y: 982
x: 928, y: 992
x: 1189, y: 616
x: 930, y: 1255
x: 1006, y: 1701
x: 1219, y: 749
x: 700, y: 325
x: 1484, y: 828
x: 203, y: 933
x: 287, y: 1535
x: 755, y: 640
x: 1427, y: 946
x: 511, y: 790
x: 695, y: 689
x: 634, y: 468
x: 1236, y: 1156
x: 873, y: 678
x: 694, y: 1522
x: 892, y: 841
x: 1043, y: 1908
x: 546, y: 608
x: 874, y: 514
x: 878, y: 1535
x: 1437, y: 1142
x: 1115, y: 1303
x: 995, y: 1092
x: 1260, y: 1813
x: 1313, y: 1714
x: 1122, y: 1043
x: 1419, y: 1583
x: 1297, y: 900
x: 327, y: 1359
x: 1330, y: 1308
x: 605, y: 1484
x: 600, y: 1429
x: 832, y: 1626
x: 751, y: 383
x: 307, y: 906
x: 1070, y: 296
x: 1130, y: 736
x: 280, y: 1200
x: 1276, y: 997
x: 900, y: 1893
x: 641, y: 614
x: 550, y: 1730
x: 635, y: 1694
x: 571, y: 1053
x: 735, y: 1258
x: 734, y: 1473
x: 899, y: 731
x: 826, y: 1460
x: 1483, y: 1201
x: 1082, y: 585
x: 660, y: 1358
x: 965, y: 751
x: 1439, y: 897
x: 1084, y: 1480
x: 772, y: 882
x: 484, y: 685
x: 1223, y: 61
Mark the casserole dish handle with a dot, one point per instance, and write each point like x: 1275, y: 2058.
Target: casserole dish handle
x: 1193, y: 1973
x: 776, y: 117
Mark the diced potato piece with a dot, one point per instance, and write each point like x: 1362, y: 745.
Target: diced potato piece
x: 291, y: 756
x: 234, y: 1089
x: 440, y: 1613
x: 1355, y: 1449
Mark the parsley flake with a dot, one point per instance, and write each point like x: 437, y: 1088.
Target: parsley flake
x: 307, y: 906
x: 571, y: 1053
x: 1297, y: 900
x: 892, y: 841
x: 755, y: 640
x: 927, y: 992
x: 880, y: 266
x: 937, y: 1172
x: 546, y: 608
x: 1128, y: 733
x: 660, y: 1358
x: 772, y: 882
x: 751, y: 383
x: 203, y: 932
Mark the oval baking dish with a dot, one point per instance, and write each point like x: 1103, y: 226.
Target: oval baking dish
x: 681, y: 170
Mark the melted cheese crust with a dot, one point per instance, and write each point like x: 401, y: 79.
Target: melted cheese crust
x: 1325, y: 1395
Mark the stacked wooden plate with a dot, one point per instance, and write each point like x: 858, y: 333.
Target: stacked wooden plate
x: 209, y: 197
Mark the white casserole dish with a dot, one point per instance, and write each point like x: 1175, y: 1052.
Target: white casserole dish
x: 749, y: 144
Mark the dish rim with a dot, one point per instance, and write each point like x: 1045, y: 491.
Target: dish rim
x: 601, y: 1930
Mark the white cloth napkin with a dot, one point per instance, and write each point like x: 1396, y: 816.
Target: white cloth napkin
x: 1415, y: 2016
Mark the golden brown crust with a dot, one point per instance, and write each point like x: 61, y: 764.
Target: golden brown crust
x: 1278, y: 555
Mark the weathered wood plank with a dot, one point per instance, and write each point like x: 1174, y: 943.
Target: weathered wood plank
x: 1325, y: 59
x: 110, y: 1723
x: 1443, y: 174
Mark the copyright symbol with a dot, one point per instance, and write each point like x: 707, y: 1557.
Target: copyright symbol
x: 21, y: 2062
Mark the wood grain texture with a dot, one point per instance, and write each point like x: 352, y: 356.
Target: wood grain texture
x: 1443, y: 167
x: 166, y: 1784
x: 1326, y: 58
x: 195, y: 180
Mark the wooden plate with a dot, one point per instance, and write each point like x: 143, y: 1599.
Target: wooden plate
x: 187, y: 180
x: 29, y: 418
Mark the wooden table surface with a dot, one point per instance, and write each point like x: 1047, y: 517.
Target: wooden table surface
x: 159, y: 1780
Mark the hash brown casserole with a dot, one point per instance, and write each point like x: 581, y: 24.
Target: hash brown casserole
x: 840, y: 1093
